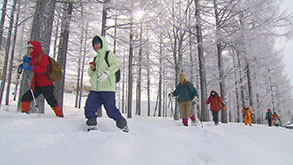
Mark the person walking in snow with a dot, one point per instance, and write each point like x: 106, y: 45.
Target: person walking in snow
x: 41, y: 84
x: 186, y: 94
x: 276, y: 119
x: 215, y: 100
x: 269, y: 117
x: 247, y: 113
x: 103, y: 81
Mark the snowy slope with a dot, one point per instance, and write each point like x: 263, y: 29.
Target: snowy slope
x: 46, y: 140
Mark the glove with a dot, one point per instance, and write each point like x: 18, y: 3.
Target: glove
x: 93, y: 65
x: 27, y: 67
x: 170, y: 94
x: 103, y: 77
x: 26, y: 59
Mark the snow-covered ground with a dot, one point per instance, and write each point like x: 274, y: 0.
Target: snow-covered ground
x: 46, y: 140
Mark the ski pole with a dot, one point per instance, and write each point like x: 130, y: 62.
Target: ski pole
x: 199, y: 117
x: 170, y: 102
x: 36, y: 107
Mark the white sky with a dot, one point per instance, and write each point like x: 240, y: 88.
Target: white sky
x: 288, y: 46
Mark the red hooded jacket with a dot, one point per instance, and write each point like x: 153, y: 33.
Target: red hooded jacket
x: 215, y: 102
x: 40, y: 79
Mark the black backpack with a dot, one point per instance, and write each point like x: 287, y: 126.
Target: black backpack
x: 117, y: 74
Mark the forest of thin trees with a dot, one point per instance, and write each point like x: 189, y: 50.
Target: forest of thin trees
x: 225, y: 45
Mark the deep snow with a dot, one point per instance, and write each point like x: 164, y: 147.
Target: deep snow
x: 46, y: 140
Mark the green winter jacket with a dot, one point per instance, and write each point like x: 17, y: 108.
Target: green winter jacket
x: 185, y: 92
x: 101, y: 66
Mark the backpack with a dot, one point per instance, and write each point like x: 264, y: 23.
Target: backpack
x: 54, y: 71
x: 117, y: 74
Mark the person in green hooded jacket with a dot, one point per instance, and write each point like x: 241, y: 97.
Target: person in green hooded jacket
x: 186, y: 93
x: 103, y: 81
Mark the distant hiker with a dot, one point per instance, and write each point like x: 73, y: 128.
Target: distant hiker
x: 186, y: 93
x: 276, y: 119
x: 215, y: 100
x: 269, y: 117
x: 247, y: 113
x: 102, y: 72
x: 41, y: 84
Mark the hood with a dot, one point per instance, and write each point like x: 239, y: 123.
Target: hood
x: 104, y: 42
x: 215, y: 92
x: 37, y: 48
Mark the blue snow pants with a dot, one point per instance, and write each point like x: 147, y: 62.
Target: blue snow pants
x: 96, y: 99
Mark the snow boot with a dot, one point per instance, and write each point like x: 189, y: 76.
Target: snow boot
x: 91, y: 124
x: 25, y: 107
x: 193, y: 120
x: 58, y: 111
x: 122, y: 124
x: 185, y: 122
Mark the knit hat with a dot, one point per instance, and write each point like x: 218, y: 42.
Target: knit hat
x: 182, y: 76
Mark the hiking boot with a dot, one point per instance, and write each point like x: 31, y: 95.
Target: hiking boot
x: 58, y: 111
x: 25, y: 107
x: 185, y: 121
x: 122, y: 123
x: 91, y: 122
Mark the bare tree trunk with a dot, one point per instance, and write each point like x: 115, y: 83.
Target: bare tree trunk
x: 238, y: 115
x: 19, y: 60
x: 160, y: 80
x: 2, y: 21
x: 271, y: 90
x: 104, y: 17
x: 62, y: 48
x: 56, y: 37
x: 79, y: 60
x: 202, y: 70
x: 82, y: 66
x: 7, y: 50
x: 241, y: 79
x: 130, y: 85
x: 12, y: 55
x: 123, y: 85
x: 220, y: 61
x: 138, y: 87
x: 148, y: 84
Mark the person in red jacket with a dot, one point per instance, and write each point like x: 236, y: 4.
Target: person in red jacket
x: 215, y: 100
x: 41, y: 84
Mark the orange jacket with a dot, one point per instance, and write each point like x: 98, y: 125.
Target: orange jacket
x: 248, y: 113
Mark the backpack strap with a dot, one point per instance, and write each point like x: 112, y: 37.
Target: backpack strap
x: 40, y: 58
x: 106, y: 58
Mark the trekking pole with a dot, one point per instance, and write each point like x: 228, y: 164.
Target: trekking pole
x: 170, y: 102
x: 35, y: 107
